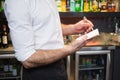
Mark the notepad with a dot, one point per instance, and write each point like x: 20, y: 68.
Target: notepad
x: 92, y: 34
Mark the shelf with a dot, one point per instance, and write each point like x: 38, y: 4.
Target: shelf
x: 17, y: 77
x: 7, y: 50
x: 91, y: 68
x: 6, y: 56
x: 7, y: 53
x: 89, y: 14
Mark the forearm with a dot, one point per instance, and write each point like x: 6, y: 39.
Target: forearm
x: 44, y: 57
x: 67, y: 29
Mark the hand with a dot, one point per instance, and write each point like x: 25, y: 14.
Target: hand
x: 83, y: 26
x: 78, y: 43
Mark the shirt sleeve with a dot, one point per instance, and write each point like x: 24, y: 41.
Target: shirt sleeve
x: 20, y: 23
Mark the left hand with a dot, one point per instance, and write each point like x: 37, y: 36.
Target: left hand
x: 83, y: 26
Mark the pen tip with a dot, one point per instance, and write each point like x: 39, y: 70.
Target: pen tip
x: 84, y: 18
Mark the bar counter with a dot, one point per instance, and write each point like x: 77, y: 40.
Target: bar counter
x: 115, y: 50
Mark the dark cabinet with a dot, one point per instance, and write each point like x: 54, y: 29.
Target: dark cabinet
x: 10, y: 68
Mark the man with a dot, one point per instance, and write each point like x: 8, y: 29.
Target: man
x: 37, y: 38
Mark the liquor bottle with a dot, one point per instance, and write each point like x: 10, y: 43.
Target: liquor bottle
x: 113, y: 8
x: 0, y: 39
x: 109, y: 6
x: 6, y: 67
x: 14, y: 67
x: 63, y: 5
x: 95, y: 6
x: 117, y: 3
x: 103, y: 6
x: 102, y: 60
x: 88, y: 62
x: 1, y: 6
x: 94, y: 60
x: 14, y: 70
x: 101, y: 75
x: 72, y: 5
x: 77, y: 5
x: 97, y: 76
x: 86, y: 6
x: 99, y: 5
x: 67, y: 5
x: 94, y: 75
x: 81, y: 5
x: 59, y: 5
x: 89, y: 76
x: 5, y: 37
x: 90, y: 6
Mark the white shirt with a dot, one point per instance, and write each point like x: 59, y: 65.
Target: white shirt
x: 34, y: 25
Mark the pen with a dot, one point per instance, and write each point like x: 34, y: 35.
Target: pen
x: 85, y: 19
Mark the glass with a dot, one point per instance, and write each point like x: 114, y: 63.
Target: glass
x: 118, y: 33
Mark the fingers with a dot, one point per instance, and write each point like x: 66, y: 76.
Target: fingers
x: 79, y: 43
x: 82, y: 40
x: 89, y: 22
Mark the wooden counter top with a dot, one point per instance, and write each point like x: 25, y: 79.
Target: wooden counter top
x: 104, y: 39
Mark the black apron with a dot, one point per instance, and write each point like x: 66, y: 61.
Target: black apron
x: 54, y: 71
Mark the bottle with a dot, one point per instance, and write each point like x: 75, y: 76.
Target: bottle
x: 95, y: 6
x: 88, y: 62
x: 86, y: 6
x: 6, y: 67
x: 102, y: 60
x: 90, y: 6
x: 103, y: 6
x: 72, y: 5
x: 1, y: 6
x: 63, y: 5
x: 94, y: 60
x: 97, y: 76
x: 89, y: 76
x: 94, y: 75
x: 77, y: 5
x: 0, y: 39
x: 59, y: 5
x: 14, y: 69
x: 99, y: 5
x: 109, y: 6
x: 117, y: 3
x: 67, y: 5
x: 113, y: 8
x: 81, y: 5
x: 101, y: 75
x: 118, y: 33
x: 4, y: 37
x: 116, y: 28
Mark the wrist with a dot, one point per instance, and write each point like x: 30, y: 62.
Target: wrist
x: 69, y: 50
x: 72, y: 29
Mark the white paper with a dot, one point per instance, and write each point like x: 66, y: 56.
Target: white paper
x: 92, y: 34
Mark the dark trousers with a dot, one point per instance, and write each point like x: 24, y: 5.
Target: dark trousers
x: 54, y: 71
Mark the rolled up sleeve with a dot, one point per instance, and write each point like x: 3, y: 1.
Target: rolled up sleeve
x: 21, y: 31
